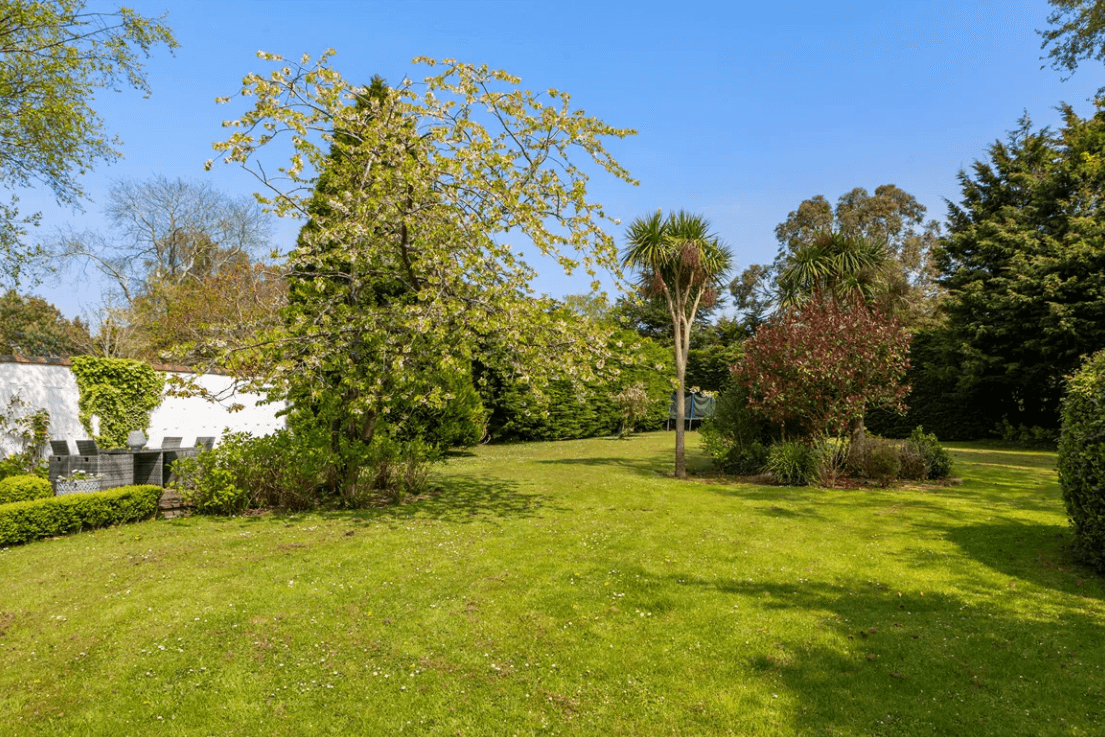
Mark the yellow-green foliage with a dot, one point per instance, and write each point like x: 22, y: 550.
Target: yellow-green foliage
x: 24, y: 488
x: 59, y: 515
x: 121, y: 392
x: 1082, y: 459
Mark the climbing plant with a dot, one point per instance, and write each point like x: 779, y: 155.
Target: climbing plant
x: 121, y: 392
x: 27, y: 430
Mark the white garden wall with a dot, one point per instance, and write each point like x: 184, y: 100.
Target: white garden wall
x: 49, y: 384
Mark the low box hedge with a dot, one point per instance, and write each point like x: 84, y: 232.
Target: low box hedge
x: 22, y: 522
x: 24, y: 488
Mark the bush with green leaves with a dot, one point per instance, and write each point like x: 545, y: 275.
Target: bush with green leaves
x: 1082, y: 459
x: 793, y: 462
x: 24, y: 488
x: 735, y: 437
x: 884, y: 462
x: 459, y: 420
x: 296, y: 470
x: 22, y: 522
x: 286, y: 470
x: 938, y: 461
x: 28, y: 430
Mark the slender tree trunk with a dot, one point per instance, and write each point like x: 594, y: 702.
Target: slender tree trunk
x: 680, y: 418
x: 680, y: 406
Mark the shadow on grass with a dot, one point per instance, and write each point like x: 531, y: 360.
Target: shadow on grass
x: 1035, y: 553
x: 882, y: 662
x: 659, y: 465
x: 454, y: 499
x: 639, y: 466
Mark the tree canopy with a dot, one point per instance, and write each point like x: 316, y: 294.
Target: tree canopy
x: 54, y: 56
x: 879, y: 244
x: 1025, y: 270
x: 31, y: 326
x: 407, y: 265
x: 1077, y: 33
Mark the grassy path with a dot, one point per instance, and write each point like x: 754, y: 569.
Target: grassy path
x: 572, y: 588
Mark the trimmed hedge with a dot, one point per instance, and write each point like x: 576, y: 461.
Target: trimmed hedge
x: 59, y: 515
x: 24, y: 488
x: 1082, y: 459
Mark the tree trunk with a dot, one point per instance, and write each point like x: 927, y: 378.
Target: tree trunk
x: 858, y: 431
x: 680, y: 419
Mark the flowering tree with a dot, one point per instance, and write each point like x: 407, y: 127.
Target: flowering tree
x: 406, y: 269
x: 817, y: 369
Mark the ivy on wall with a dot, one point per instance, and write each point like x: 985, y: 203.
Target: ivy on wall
x: 121, y: 392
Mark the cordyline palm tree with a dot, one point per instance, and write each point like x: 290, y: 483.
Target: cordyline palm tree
x: 679, y: 258
x: 837, y: 265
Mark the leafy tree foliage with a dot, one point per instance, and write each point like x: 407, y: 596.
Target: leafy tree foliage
x: 1077, y: 33
x: 54, y: 56
x: 815, y: 370
x: 1025, y: 270
x: 679, y: 259
x: 185, y: 321
x: 832, y: 264
x: 34, y: 327
x: 405, y: 268
x: 876, y: 243
x: 565, y: 410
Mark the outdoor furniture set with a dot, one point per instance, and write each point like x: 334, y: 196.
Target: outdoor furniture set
x: 109, y: 469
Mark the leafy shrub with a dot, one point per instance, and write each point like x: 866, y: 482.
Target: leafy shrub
x: 875, y: 458
x: 815, y: 370
x: 792, y: 462
x: 938, y: 461
x: 59, y: 515
x: 883, y: 462
x: 28, y: 431
x: 285, y: 470
x: 459, y: 421
x: 24, y: 488
x: 395, y: 470
x: 298, y: 470
x: 832, y: 456
x: 633, y: 403
x: 1082, y: 459
x: 569, y: 411
x: 734, y: 437
x: 912, y: 462
x: 23, y: 464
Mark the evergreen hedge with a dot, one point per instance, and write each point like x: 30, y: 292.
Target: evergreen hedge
x: 1082, y: 459
x: 22, y: 522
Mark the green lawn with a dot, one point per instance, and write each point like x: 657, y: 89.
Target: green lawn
x: 573, y: 588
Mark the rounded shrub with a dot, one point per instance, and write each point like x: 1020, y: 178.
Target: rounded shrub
x: 884, y: 462
x: 24, y: 488
x: 1082, y: 459
x: 793, y: 463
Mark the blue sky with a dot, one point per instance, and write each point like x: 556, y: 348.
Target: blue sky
x: 743, y: 109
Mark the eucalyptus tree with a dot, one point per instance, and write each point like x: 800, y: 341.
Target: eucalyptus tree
x: 679, y: 259
x: 407, y: 263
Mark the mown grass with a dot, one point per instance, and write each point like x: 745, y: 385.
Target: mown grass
x: 573, y: 588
